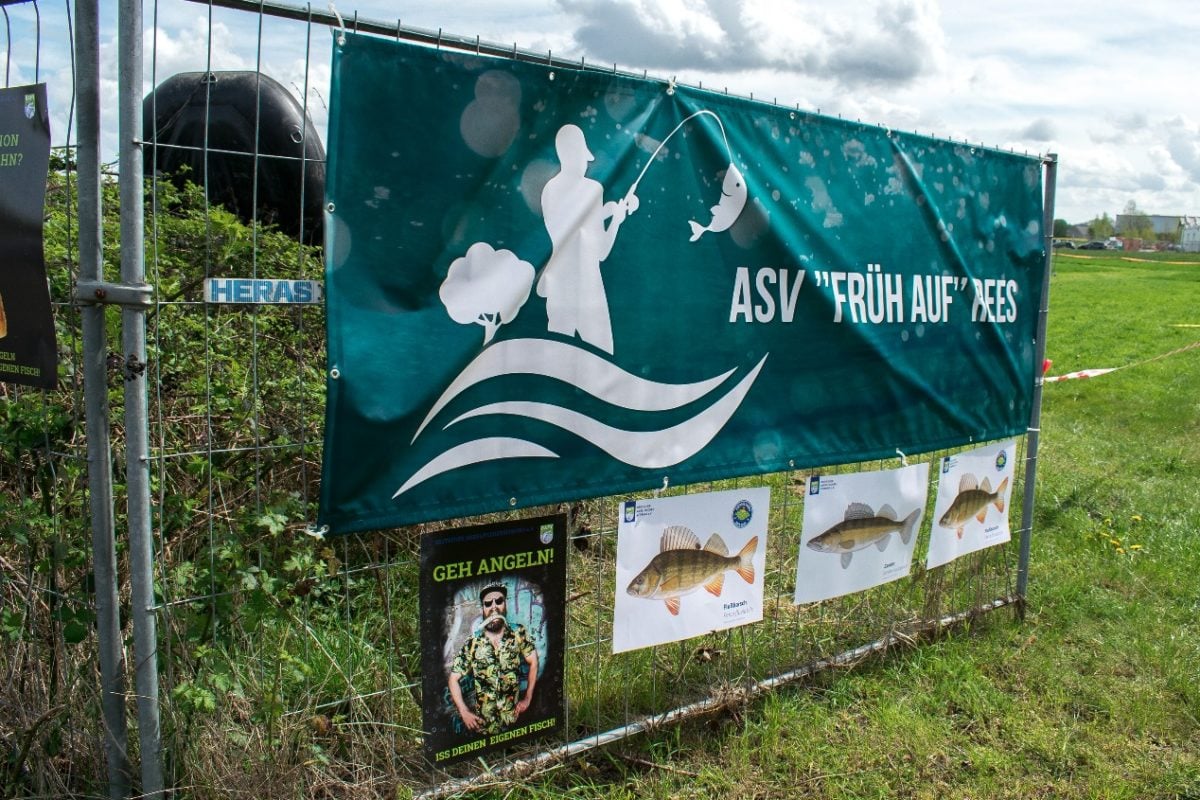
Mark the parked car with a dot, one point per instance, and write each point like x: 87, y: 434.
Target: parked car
x: 1064, y: 244
x: 1093, y: 246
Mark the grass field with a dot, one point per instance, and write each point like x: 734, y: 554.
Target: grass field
x: 1096, y: 694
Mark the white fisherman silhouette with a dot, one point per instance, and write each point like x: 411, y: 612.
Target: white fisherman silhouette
x: 575, y: 213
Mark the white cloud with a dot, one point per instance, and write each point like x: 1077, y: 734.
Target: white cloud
x: 883, y: 43
x: 1183, y: 145
x: 1040, y: 130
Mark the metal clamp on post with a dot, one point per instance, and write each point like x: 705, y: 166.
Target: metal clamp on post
x: 135, y: 295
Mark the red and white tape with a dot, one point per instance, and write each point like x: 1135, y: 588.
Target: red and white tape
x: 1083, y: 373
x: 1091, y: 373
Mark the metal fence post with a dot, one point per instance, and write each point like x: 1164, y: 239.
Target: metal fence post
x: 1035, y: 415
x: 95, y: 387
x: 133, y: 338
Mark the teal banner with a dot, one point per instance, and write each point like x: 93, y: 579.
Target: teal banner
x: 547, y: 283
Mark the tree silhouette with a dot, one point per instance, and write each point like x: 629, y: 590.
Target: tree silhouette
x: 486, y: 287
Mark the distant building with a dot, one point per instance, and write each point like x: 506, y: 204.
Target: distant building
x: 1189, y: 234
x: 1163, y: 225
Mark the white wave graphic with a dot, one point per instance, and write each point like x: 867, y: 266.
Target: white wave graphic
x: 478, y: 451
x: 644, y: 449
x: 580, y: 368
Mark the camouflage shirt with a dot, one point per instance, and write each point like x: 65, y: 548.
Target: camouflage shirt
x: 497, y: 674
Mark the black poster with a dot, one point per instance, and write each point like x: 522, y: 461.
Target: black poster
x: 492, y: 632
x: 28, y: 352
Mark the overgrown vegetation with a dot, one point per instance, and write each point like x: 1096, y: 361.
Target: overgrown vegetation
x: 236, y: 405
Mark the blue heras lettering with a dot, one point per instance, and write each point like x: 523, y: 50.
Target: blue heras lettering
x: 262, y: 291
x: 222, y: 290
x: 283, y: 292
x: 303, y: 292
x: 243, y: 290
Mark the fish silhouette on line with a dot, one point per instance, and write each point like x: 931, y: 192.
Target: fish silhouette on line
x: 862, y: 528
x: 682, y: 566
x: 972, y: 501
x: 728, y: 208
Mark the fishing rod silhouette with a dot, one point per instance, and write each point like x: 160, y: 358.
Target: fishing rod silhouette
x: 733, y: 187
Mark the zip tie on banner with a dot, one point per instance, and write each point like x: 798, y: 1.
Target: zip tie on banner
x: 664, y: 487
x: 316, y: 532
x: 341, y: 39
x: 903, y: 458
x: 671, y: 86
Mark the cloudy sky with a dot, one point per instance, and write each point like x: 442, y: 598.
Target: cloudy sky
x: 1108, y: 86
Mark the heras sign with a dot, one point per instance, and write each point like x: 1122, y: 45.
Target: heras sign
x: 549, y: 283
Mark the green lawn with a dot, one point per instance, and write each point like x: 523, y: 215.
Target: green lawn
x: 1096, y: 694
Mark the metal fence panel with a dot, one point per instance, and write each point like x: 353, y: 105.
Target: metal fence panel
x: 290, y: 665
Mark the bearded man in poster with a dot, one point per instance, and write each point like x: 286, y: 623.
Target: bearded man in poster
x: 492, y: 659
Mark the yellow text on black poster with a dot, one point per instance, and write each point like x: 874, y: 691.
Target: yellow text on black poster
x: 492, y: 627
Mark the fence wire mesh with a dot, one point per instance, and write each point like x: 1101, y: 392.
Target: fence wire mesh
x: 289, y: 664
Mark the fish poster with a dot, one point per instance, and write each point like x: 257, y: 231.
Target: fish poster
x: 859, y: 530
x: 28, y: 344
x: 546, y: 282
x: 971, y: 511
x: 689, y: 565
x: 493, y: 608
